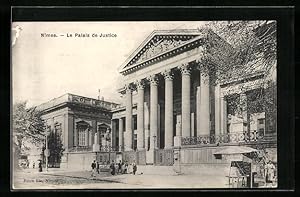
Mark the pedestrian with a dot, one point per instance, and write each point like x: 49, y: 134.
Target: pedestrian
x: 126, y: 167
x: 120, y: 166
x: 112, y: 167
x: 93, y: 168
x: 33, y: 165
x: 134, y: 167
x: 40, y: 167
x: 98, y: 167
x: 269, y: 173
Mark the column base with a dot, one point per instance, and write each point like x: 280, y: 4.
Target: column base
x: 150, y: 156
x: 141, y: 149
x: 96, y: 147
x: 177, y: 141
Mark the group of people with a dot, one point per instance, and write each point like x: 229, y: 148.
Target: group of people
x: 115, y: 168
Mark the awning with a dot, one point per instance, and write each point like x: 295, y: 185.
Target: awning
x: 235, y: 150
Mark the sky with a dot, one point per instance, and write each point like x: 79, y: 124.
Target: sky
x: 44, y: 68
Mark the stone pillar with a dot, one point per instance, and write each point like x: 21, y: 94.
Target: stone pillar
x: 198, y: 97
x: 243, y: 103
x: 140, y: 115
x: 121, y: 129
x: 113, y: 134
x: 192, y: 124
x: 223, y: 115
x: 68, y: 131
x: 75, y: 135
x: 217, y: 110
x: 90, y: 137
x: 186, y: 100
x: 129, y: 131
x: 168, y: 108
x: 146, y: 125
x: 204, y: 104
x: 87, y: 137
x: 94, y: 130
x: 153, y: 109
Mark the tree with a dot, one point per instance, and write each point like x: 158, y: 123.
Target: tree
x: 28, y: 128
x: 235, y: 49
x: 55, y: 147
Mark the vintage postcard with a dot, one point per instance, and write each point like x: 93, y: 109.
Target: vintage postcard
x: 144, y: 105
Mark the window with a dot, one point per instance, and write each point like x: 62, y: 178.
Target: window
x: 82, y: 129
x: 261, y: 131
x: 81, y: 137
x: 261, y: 121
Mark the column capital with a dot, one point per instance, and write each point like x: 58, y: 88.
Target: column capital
x: 140, y: 84
x: 153, y: 79
x: 185, y: 69
x: 128, y: 88
x: 168, y: 74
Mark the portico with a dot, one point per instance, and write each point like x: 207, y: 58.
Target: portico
x: 168, y: 87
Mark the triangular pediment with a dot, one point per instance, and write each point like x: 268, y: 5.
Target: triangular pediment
x: 159, y: 42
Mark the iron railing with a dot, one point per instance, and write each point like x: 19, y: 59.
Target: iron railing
x: 236, y: 137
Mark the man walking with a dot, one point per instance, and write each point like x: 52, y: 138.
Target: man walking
x: 93, y: 169
x: 134, y: 167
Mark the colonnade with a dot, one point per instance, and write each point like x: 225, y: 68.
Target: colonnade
x: 203, y: 111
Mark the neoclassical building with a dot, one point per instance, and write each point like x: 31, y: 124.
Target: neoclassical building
x: 173, y: 99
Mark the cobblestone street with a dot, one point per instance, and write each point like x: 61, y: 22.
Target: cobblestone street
x: 29, y: 179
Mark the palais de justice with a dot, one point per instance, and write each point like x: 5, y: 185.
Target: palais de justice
x: 173, y: 100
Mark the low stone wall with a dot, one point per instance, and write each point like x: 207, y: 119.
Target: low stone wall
x: 79, y: 160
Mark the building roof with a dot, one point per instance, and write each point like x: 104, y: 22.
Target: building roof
x: 76, y: 99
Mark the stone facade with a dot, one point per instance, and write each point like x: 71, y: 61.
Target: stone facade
x: 171, y: 101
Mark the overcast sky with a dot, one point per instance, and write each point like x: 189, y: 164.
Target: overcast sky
x: 46, y: 68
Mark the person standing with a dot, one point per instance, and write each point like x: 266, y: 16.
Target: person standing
x: 134, y: 167
x: 269, y: 173
x: 98, y: 167
x: 120, y: 166
x: 40, y: 167
x: 93, y: 168
x: 112, y: 167
x: 33, y: 165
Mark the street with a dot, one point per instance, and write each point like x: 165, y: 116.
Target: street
x: 31, y: 179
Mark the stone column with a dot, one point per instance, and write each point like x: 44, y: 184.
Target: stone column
x: 204, y: 104
x: 243, y: 103
x: 128, y: 134
x: 217, y: 110
x: 68, y: 131
x: 140, y: 115
x: 198, y: 97
x: 87, y: 137
x: 75, y: 135
x: 113, y: 134
x: 223, y: 115
x: 186, y: 100
x: 121, y: 129
x: 146, y: 125
x: 168, y: 75
x: 153, y: 109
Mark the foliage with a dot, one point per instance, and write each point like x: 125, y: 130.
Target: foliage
x: 236, y: 49
x: 55, y: 147
x: 28, y: 126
